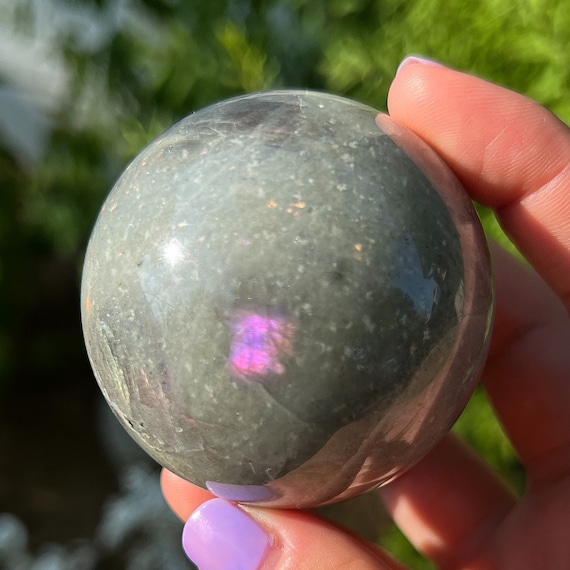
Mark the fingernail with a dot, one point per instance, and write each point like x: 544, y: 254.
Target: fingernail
x: 411, y: 59
x: 240, y: 493
x: 220, y: 535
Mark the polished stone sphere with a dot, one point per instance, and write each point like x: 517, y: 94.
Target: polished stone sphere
x: 287, y: 301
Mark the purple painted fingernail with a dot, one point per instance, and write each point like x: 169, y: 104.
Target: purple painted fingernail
x: 417, y: 59
x: 220, y: 536
x: 240, y: 493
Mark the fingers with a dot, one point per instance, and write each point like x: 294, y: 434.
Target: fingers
x: 513, y: 155
x: 526, y: 375
x: 262, y: 539
x: 449, y: 504
x: 182, y: 497
x: 510, y: 153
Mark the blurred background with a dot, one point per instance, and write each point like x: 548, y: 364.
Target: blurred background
x: 84, y: 86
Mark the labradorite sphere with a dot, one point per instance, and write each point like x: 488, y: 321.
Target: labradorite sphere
x: 286, y: 301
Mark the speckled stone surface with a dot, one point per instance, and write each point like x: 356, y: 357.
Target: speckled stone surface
x: 282, y: 305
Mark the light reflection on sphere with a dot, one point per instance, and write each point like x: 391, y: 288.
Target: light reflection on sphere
x: 282, y: 305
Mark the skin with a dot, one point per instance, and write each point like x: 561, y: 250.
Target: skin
x: 513, y: 156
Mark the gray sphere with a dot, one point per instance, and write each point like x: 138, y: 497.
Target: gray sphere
x: 285, y: 304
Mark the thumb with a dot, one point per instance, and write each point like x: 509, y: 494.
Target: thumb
x: 220, y: 535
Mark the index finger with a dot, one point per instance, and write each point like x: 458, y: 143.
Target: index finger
x: 505, y: 163
x: 511, y: 155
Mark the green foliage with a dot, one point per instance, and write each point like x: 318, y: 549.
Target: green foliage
x: 399, y: 547
x: 523, y: 45
x: 249, y: 70
x: 169, y: 59
x: 479, y: 426
x: 162, y: 60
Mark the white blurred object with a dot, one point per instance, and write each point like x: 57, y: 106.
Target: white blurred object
x: 56, y: 557
x: 140, y: 517
x: 136, y: 527
x: 13, y: 543
x: 24, y: 129
x: 35, y: 82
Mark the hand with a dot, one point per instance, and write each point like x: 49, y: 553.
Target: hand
x: 514, y: 156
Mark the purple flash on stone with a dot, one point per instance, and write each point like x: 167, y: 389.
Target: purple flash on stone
x: 286, y: 304
x: 259, y: 343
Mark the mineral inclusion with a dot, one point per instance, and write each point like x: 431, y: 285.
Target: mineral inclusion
x: 285, y: 303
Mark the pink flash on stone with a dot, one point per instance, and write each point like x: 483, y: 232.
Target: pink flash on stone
x: 259, y: 343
